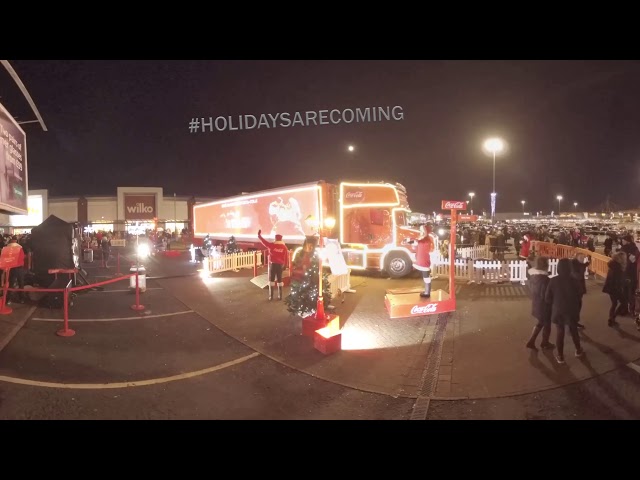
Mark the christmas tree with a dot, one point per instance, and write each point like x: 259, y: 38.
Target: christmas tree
x: 232, y: 246
x: 303, y: 297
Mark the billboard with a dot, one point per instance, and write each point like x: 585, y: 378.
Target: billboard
x: 274, y: 212
x: 13, y: 165
x: 140, y: 206
x: 35, y: 214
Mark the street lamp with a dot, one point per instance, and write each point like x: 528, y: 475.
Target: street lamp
x: 559, y: 197
x: 351, y: 148
x: 522, y: 202
x: 471, y: 195
x: 493, y: 146
x: 575, y: 206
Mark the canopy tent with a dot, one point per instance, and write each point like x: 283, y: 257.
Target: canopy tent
x: 54, y: 245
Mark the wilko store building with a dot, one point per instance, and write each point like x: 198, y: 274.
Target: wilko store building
x: 130, y: 209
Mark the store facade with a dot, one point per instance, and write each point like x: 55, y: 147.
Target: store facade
x: 131, y: 209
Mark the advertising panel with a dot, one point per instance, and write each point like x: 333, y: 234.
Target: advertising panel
x: 34, y: 216
x: 454, y: 205
x: 275, y: 212
x: 13, y: 165
x: 139, y: 206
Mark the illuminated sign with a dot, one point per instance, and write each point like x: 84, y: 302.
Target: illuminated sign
x: 13, y: 165
x: 453, y: 205
x: 35, y: 215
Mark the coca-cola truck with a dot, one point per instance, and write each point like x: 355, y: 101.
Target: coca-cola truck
x: 370, y: 221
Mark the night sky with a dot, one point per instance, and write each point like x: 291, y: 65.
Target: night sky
x: 572, y: 127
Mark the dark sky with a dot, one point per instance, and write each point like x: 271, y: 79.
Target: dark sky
x: 572, y: 127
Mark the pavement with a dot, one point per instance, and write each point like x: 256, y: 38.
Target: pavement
x: 190, y: 324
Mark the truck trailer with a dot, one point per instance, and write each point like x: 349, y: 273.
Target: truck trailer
x: 369, y: 220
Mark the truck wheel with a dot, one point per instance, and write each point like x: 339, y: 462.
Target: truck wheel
x: 398, y: 265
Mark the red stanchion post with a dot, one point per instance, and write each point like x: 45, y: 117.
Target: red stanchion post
x: 137, y: 306
x: 4, y: 310
x: 66, y: 331
x: 255, y: 263
x: 118, y: 264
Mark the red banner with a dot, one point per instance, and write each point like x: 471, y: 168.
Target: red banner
x: 453, y: 205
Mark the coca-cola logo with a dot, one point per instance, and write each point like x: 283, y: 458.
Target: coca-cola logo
x: 359, y: 195
x: 422, y: 309
x: 453, y: 205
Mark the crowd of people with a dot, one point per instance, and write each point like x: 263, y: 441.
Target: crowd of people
x: 558, y: 300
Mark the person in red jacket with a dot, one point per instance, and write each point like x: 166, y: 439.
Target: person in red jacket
x: 278, y: 259
x: 525, y: 247
x: 423, y: 258
x: 17, y: 273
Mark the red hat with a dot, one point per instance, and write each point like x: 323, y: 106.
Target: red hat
x: 278, y: 237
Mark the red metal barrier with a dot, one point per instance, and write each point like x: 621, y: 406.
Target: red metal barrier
x: 66, y: 331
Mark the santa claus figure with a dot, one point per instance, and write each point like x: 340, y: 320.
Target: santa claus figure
x: 423, y: 258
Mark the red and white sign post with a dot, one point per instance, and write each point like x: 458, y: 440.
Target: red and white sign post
x: 402, y: 303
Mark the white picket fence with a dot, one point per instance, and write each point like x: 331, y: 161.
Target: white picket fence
x: 474, y: 253
x: 481, y: 271
x: 231, y: 261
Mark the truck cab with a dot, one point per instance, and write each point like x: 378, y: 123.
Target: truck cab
x: 374, y: 228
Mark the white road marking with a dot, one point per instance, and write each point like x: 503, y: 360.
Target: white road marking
x: 112, y: 319
x: 5, y: 341
x: 633, y: 366
x: 140, y: 383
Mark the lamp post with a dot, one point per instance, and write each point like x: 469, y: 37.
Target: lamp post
x: 522, y: 202
x: 559, y: 197
x: 471, y: 195
x: 575, y: 207
x: 322, y: 230
x: 175, y: 216
x: 493, y: 146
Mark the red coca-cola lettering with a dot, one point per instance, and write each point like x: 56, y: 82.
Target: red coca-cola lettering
x: 355, y: 195
x: 422, y: 309
x: 453, y: 205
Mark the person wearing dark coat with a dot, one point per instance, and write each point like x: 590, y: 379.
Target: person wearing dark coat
x: 614, y: 285
x: 540, y: 309
x: 631, y: 274
x: 579, y: 266
x: 563, y: 294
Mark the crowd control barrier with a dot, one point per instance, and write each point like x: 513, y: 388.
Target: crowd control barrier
x: 66, y: 331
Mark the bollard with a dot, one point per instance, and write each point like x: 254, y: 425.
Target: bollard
x: 137, y: 306
x: 66, y: 331
x: 4, y: 309
x: 255, y: 263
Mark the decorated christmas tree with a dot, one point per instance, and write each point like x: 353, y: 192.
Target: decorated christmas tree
x: 303, y: 297
x: 232, y: 246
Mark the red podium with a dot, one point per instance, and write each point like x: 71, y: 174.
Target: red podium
x: 407, y: 302
x: 9, y: 258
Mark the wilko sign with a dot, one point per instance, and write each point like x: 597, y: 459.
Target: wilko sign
x: 453, y: 205
x: 139, y: 207
x: 424, y: 309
